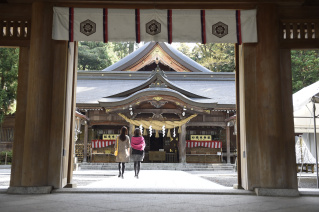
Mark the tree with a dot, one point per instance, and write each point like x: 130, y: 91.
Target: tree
x: 217, y: 57
x: 185, y: 49
x: 99, y: 55
x: 304, y: 67
x: 9, y: 59
x: 124, y: 48
x: 95, y: 55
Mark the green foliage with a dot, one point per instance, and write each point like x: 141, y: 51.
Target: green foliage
x: 124, y: 48
x: 185, y: 49
x: 95, y: 55
x: 304, y: 67
x: 9, y: 59
x: 3, y: 157
x: 217, y: 57
x: 99, y: 55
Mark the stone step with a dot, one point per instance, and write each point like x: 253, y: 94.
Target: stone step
x: 159, y: 166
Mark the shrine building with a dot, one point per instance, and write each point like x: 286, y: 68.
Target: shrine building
x: 183, y: 108
x: 264, y: 33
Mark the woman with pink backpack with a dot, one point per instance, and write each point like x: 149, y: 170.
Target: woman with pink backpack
x: 138, y: 145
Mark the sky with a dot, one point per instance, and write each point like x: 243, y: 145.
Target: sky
x: 175, y: 45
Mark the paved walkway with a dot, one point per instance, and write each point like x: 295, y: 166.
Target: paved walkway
x: 151, y: 181
x: 156, y: 179
x: 124, y: 202
x: 155, y: 190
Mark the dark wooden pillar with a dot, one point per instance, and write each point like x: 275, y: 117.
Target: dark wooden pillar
x: 85, y: 143
x: 131, y: 130
x: 73, y: 119
x: 44, y: 157
x: 238, y: 158
x: 182, y: 144
x: 228, y: 142
x: 287, y: 147
x: 20, y: 117
x: 39, y: 101
x: 266, y: 145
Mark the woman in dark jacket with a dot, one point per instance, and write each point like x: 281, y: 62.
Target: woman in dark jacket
x: 138, y: 145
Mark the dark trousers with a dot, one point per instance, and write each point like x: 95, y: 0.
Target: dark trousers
x: 137, y: 167
x: 123, y: 168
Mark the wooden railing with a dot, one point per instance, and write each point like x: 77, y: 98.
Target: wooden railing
x: 15, y: 29
x: 6, y: 134
x: 300, y: 32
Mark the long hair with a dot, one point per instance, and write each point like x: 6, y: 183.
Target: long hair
x: 137, y: 132
x: 123, y: 133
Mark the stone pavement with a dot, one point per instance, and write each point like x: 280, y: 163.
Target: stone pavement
x: 155, y: 190
x: 140, y: 202
x: 150, y: 181
x: 165, y: 179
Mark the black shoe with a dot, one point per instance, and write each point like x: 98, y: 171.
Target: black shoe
x: 122, y: 176
x: 119, y: 175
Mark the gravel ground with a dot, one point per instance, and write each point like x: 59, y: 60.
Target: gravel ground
x: 307, y: 182
x: 4, y: 178
x: 227, y: 181
x: 84, y: 180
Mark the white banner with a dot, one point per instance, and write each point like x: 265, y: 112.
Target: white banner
x: 205, y: 26
x: 153, y: 25
x: 186, y: 26
x: 221, y: 25
x: 121, y: 25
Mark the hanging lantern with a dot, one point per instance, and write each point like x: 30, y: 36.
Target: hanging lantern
x: 174, y: 133
x: 163, y: 131
x: 168, y: 133
x: 133, y: 129
x: 131, y: 110
x: 151, y: 130
x: 141, y: 128
x: 156, y: 134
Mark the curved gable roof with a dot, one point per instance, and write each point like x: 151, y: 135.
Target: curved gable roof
x: 132, y: 58
x: 159, y: 80
x: 107, y: 102
x: 175, y: 59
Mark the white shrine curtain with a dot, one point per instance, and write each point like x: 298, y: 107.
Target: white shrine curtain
x: 115, y: 25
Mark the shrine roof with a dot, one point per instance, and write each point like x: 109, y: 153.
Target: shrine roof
x: 146, y: 49
x: 130, y: 79
x: 91, y: 91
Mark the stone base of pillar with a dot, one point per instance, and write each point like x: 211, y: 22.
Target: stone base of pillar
x: 236, y: 186
x: 75, y: 167
x: 71, y: 185
x: 277, y: 192
x: 30, y: 190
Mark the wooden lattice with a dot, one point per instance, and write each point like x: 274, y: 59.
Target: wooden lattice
x: 15, y: 29
x: 79, y: 151
x: 300, y: 29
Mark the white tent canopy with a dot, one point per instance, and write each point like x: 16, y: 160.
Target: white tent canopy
x: 303, y: 109
x: 306, y: 105
x: 303, y: 155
